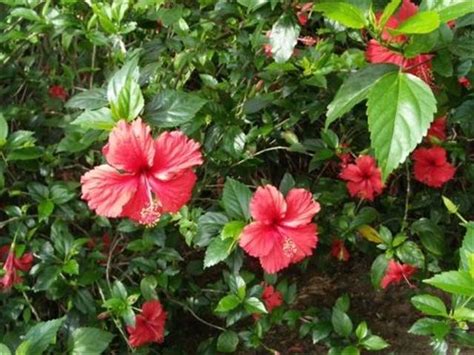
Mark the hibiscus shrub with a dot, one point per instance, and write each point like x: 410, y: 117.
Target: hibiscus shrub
x: 195, y: 176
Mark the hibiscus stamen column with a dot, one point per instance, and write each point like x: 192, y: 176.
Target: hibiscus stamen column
x: 151, y: 214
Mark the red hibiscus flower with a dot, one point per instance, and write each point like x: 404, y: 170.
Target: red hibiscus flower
x: 438, y: 129
x: 464, y: 82
x: 431, y: 166
x: 13, y: 265
x: 271, y: 298
x: 419, y: 65
x: 339, y: 250
x: 144, y: 177
x: 397, y: 272
x: 58, y: 92
x: 149, y: 325
x: 282, y: 232
x: 303, y: 13
x: 364, y: 178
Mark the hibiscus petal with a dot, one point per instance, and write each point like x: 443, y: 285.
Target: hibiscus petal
x: 351, y: 173
x: 152, y: 309
x: 131, y: 146
x: 276, y: 259
x: 304, y: 238
x: 139, y: 201
x: 107, y: 191
x: 407, y: 10
x: 376, y: 53
x: 175, y: 152
x: 257, y: 239
x: 301, y: 208
x: 175, y: 192
x: 268, y: 204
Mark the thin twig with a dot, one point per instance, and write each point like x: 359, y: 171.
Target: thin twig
x: 407, y: 197
x: 33, y: 310
x: 185, y: 306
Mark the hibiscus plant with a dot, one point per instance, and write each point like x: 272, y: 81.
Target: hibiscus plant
x: 250, y: 176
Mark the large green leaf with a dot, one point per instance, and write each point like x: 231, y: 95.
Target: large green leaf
x: 400, y: 108
x: 38, y: 338
x: 341, y: 322
x: 217, y: 251
x: 91, y: 341
x: 283, y: 38
x: 91, y: 100
x: 429, y: 305
x: 3, y: 130
x: 355, y: 89
x: 467, y: 248
x: 388, y: 11
x: 346, y: 14
x: 173, y: 108
x: 227, y: 342
x: 422, y: 22
x: 98, y: 119
x: 456, y: 282
x: 236, y: 198
x: 450, y: 9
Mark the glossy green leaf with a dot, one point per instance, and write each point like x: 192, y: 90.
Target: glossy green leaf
x: 173, y: 108
x: 355, y: 89
x: 227, y: 303
x: 39, y: 337
x: 456, y: 282
x: 283, y: 38
x: 236, y: 199
x: 429, y: 305
x: 341, y: 322
x: 422, y: 22
x: 343, y: 12
x: 91, y: 341
x: 374, y: 343
x: 400, y: 108
x: 98, y: 119
x: 227, y: 342
x: 217, y: 251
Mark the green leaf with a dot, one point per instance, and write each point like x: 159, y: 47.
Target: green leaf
x: 454, y: 9
x: 217, y: 251
x: 410, y: 253
x: 254, y: 305
x: 3, y: 130
x: 25, y: 13
x: 431, y: 236
x: 39, y: 337
x: 227, y: 342
x: 287, y: 183
x: 374, y: 343
x: 173, y: 108
x: 232, y: 230
x: 425, y: 326
x: 283, y: 38
x: 361, y: 330
x: 47, y: 277
x: 71, y: 267
x: 467, y: 247
x: 148, y: 288
x: 118, y: 84
x: 28, y: 153
x: 400, y: 108
x: 388, y: 11
x: 45, y: 208
x: 377, y: 271
x: 236, y: 199
x: 464, y: 314
x: 130, y: 101
x: 98, y: 119
x: 210, y: 225
x: 4, y: 350
x: 88, y: 100
x: 342, y: 12
x: 227, y: 303
x: 422, y: 22
x: 341, y: 322
x: 430, y: 305
x: 350, y: 350
x: 355, y: 89
x: 456, y: 282
x: 91, y: 341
